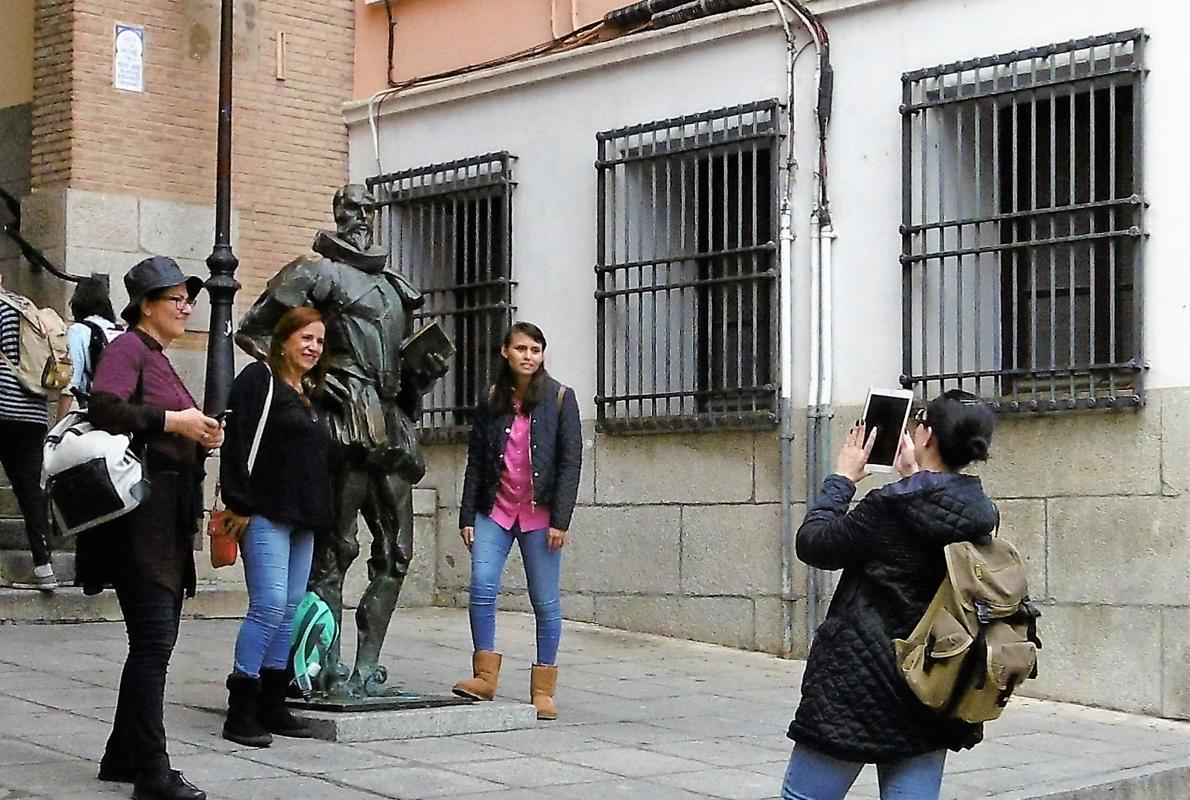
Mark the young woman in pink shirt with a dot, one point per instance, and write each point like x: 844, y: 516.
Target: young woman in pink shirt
x: 520, y: 485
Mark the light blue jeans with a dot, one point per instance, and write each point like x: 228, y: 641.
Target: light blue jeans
x: 816, y: 776
x: 543, y: 570
x: 276, y: 567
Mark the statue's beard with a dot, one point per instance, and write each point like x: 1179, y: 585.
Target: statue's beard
x: 359, y: 235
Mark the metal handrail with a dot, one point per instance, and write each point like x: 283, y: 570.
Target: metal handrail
x: 35, y: 257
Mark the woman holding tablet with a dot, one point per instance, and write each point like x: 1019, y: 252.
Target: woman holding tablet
x: 855, y: 707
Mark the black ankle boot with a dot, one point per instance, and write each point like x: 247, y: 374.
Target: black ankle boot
x: 242, y: 725
x: 171, y: 786
x: 273, y: 715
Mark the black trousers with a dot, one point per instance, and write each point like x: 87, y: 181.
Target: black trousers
x: 20, y: 453
x: 151, y: 616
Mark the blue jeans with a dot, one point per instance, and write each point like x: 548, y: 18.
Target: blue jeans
x: 816, y: 776
x: 277, y: 568
x: 543, y: 571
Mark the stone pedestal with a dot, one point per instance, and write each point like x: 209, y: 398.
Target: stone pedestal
x: 418, y: 722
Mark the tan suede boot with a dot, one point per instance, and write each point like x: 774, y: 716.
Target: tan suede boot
x: 542, y: 683
x: 486, y: 666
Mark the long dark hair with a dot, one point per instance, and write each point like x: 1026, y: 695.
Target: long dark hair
x: 91, y: 298
x: 505, y: 388
x: 963, y: 427
x: 292, y: 321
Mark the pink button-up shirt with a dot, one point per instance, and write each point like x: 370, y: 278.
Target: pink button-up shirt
x: 514, y: 500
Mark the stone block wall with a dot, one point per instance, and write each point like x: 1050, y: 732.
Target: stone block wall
x: 675, y: 535
x: 680, y: 535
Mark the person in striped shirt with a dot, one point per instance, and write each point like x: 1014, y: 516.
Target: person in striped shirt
x: 23, y: 422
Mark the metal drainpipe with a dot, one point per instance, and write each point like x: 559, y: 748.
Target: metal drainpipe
x: 787, y: 238
x: 813, y: 426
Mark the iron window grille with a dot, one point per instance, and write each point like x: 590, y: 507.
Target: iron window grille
x: 686, y: 273
x: 1022, y: 234
x: 448, y: 228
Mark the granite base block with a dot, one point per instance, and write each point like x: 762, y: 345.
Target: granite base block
x: 417, y: 723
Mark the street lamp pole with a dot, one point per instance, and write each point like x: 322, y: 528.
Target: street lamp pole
x: 222, y: 262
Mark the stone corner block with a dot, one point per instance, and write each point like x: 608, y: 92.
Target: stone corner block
x: 623, y: 549
x: 425, y: 502
x: 1100, y: 453
x: 731, y: 550
x: 102, y: 220
x: 1175, y: 438
x: 674, y: 468
x: 1175, y: 698
x: 43, y: 218
x: 176, y: 229
x: 725, y: 621
x: 1120, y: 550
x: 1100, y: 656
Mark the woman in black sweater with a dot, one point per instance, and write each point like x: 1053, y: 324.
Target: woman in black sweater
x: 855, y: 707
x: 277, y: 492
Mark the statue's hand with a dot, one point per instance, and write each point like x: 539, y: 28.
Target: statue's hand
x: 437, y: 365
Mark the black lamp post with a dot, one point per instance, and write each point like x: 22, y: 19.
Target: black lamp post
x: 222, y: 262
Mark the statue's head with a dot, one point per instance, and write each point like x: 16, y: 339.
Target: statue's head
x: 353, y: 211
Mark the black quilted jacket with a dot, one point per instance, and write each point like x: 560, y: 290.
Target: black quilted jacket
x: 557, y: 455
x: 855, y: 705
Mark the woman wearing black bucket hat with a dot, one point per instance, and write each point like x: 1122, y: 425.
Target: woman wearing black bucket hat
x: 148, y: 554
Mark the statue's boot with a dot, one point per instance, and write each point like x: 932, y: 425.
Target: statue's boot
x: 273, y: 715
x: 485, y: 665
x: 542, y: 682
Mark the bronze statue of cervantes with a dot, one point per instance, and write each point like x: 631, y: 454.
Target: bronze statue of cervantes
x: 372, y: 398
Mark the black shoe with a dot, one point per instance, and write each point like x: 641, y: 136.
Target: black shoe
x: 242, y: 725
x: 173, y: 786
x: 273, y: 715
x: 111, y: 774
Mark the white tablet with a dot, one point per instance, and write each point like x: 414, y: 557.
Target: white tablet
x: 887, y: 410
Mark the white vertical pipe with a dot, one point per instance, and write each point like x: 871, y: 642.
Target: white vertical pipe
x: 826, y: 240
x: 815, y: 314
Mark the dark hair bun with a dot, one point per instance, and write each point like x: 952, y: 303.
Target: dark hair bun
x: 963, y: 430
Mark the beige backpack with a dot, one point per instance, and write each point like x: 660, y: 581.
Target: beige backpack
x: 44, y: 363
x: 977, y: 641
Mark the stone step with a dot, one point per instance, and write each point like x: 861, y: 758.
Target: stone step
x: 12, y: 534
x: 17, y: 565
x: 69, y: 604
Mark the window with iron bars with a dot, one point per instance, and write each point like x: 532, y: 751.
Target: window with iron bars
x: 686, y: 273
x: 1022, y: 234
x: 448, y: 228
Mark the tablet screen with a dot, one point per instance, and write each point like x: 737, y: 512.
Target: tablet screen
x: 888, y: 414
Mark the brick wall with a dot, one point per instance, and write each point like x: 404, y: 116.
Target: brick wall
x: 289, y: 141
x: 53, y: 40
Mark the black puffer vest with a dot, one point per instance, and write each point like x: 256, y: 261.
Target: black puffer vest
x: 855, y: 705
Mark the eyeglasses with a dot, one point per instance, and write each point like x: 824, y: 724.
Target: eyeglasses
x: 181, y: 302
x: 918, y: 418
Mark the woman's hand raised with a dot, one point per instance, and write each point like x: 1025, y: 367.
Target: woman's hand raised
x: 852, y: 462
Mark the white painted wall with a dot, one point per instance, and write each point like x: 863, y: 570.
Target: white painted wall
x: 548, y: 117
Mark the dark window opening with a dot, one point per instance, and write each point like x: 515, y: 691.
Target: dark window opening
x: 687, y: 272
x: 448, y: 229
x: 1022, y: 229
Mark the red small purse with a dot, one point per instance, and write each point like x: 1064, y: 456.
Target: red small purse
x: 224, y: 546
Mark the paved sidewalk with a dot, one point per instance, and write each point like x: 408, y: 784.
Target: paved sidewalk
x: 642, y: 717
